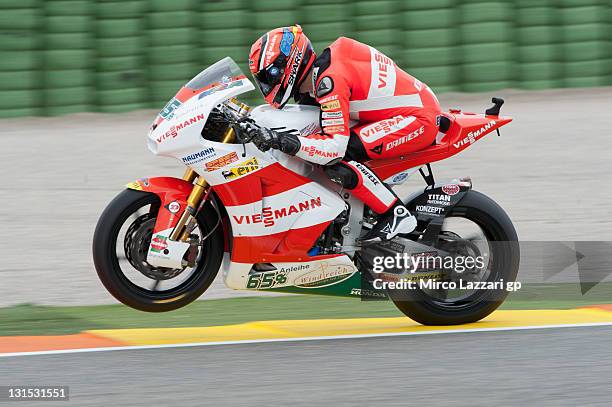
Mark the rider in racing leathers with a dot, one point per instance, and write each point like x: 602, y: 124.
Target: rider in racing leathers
x: 396, y: 114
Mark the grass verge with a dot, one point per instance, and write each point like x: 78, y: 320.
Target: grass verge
x: 41, y: 320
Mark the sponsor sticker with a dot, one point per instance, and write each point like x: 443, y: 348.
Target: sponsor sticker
x: 328, y: 99
x: 269, y: 215
x: 451, y: 189
x: 331, y: 105
x: 313, y: 150
x: 334, y: 130
x: 324, y: 276
x: 367, y: 293
x: 174, y: 207
x: 379, y: 129
x: 168, y: 111
x: 199, y: 156
x: 367, y: 173
x: 173, y: 132
x: 438, y: 199
x: 400, y: 177
x: 406, y: 138
x: 331, y: 115
x: 332, y: 122
x: 134, y: 185
x: 159, y: 244
x: 432, y: 210
x: 267, y: 279
x: 241, y: 169
x: 472, y: 136
x: 221, y: 161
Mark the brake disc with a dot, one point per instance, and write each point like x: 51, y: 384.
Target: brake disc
x: 458, y: 246
x: 136, y: 246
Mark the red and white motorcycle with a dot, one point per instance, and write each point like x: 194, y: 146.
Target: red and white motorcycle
x: 272, y: 222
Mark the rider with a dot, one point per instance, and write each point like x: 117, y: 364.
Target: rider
x: 396, y: 114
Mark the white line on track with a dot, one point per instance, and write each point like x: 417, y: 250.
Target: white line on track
x: 308, y: 338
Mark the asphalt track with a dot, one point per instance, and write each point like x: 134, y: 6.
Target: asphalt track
x: 550, y: 367
x: 549, y: 171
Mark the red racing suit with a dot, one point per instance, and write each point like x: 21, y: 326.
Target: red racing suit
x: 395, y: 112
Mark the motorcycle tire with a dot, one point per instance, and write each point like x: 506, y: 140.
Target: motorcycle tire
x: 111, y: 275
x: 497, y: 226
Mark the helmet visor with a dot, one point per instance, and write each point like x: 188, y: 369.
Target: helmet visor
x: 271, y: 76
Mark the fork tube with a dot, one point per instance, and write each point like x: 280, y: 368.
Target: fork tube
x: 193, y: 201
x: 229, y: 136
x: 194, y: 198
x: 189, y: 175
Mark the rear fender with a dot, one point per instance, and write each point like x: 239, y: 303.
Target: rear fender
x: 433, y: 204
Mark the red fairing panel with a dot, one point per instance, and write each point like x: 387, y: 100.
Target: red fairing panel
x: 276, y: 215
x: 172, y: 192
x: 465, y: 129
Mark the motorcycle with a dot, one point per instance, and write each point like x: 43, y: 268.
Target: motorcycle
x: 272, y: 222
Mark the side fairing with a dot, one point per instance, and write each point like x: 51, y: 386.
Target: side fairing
x: 276, y: 214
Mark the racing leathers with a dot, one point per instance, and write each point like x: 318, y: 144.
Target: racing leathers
x: 395, y: 113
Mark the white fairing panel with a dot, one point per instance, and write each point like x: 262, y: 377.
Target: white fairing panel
x: 308, y: 205
x: 180, y: 133
x: 307, y: 274
x: 304, y: 119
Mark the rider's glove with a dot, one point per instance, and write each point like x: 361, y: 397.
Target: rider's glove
x: 265, y: 139
x: 289, y: 143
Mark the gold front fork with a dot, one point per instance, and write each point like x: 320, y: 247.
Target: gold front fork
x: 189, y: 175
x: 195, y: 197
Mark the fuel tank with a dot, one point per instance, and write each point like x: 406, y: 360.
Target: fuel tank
x: 303, y: 118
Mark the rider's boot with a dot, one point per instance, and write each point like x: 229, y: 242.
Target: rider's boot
x: 397, y: 220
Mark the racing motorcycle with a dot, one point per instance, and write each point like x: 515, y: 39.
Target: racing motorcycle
x: 272, y: 222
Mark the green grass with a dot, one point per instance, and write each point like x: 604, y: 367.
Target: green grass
x: 39, y: 320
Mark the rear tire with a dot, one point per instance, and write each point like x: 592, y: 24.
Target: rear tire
x: 110, y: 272
x: 498, y: 228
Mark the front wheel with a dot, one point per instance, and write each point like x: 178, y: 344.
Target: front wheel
x: 120, y: 246
x: 477, y: 225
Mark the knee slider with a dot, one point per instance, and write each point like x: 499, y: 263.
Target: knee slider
x: 343, y: 175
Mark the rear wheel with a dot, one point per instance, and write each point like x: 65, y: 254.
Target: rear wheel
x: 495, y: 240
x: 120, y: 246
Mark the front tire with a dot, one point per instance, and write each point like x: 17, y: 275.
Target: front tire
x: 497, y: 228
x: 111, y: 274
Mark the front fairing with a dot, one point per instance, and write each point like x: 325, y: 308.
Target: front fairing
x: 177, y: 129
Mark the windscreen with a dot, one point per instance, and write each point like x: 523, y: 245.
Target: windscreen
x: 218, y: 75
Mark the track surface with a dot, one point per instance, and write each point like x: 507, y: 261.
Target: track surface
x: 541, y: 367
x: 549, y: 170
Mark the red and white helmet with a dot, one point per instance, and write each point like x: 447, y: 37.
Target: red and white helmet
x: 280, y: 61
